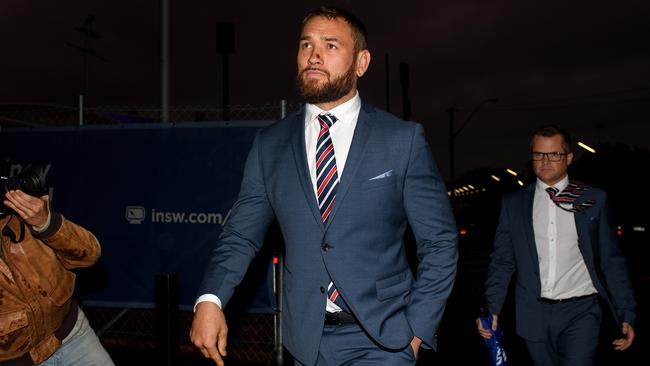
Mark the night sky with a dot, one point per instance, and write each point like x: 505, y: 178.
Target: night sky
x: 584, y: 65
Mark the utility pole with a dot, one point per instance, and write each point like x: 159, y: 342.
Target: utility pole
x: 387, y: 85
x: 225, y: 47
x: 453, y: 134
x: 405, y: 81
x: 164, y: 67
x: 452, y: 137
x: 88, y: 35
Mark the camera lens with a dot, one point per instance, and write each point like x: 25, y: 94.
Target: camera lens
x: 29, y: 181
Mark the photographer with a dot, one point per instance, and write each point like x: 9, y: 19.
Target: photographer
x: 40, y: 322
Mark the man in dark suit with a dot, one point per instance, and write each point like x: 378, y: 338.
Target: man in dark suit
x: 343, y: 180
x: 557, y: 237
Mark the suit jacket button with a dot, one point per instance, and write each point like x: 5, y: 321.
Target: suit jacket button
x: 326, y: 247
x: 322, y: 290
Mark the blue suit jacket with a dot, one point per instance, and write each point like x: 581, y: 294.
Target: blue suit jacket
x: 515, y: 251
x: 361, y: 247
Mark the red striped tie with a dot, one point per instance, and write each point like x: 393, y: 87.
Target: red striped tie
x: 566, y: 199
x: 327, y: 177
x: 327, y: 180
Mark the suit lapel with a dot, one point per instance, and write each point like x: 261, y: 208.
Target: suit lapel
x: 355, y: 156
x: 302, y: 167
x: 582, y: 219
x: 529, y: 198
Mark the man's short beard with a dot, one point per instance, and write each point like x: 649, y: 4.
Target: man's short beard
x: 329, y: 92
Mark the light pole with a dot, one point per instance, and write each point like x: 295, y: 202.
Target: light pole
x: 164, y: 64
x: 453, y: 134
x: 89, y: 35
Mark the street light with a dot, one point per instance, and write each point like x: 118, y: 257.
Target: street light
x: 586, y: 147
x: 453, y: 133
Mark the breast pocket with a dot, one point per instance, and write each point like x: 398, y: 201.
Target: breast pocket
x: 62, y: 292
x: 380, y: 182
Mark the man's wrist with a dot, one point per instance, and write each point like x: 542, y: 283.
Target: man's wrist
x: 209, y: 298
x: 44, y: 227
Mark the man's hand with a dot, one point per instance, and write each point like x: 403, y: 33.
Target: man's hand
x: 209, y: 331
x: 624, y: 343
x: 34, y: 210
x: 415, y: 344
x: 486, y: 333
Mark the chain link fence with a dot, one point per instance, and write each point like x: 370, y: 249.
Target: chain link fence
x: 52, y: 115
x: 191, y: 113
x: 131, y: 334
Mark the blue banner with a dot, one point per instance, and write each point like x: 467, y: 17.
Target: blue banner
x: 156, y: 196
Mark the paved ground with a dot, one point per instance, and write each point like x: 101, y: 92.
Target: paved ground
x: 458, y: 341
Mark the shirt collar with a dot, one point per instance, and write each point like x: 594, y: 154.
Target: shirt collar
x: 559, y: 185
x: 343, y: 112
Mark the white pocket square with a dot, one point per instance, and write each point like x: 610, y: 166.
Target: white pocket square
x: 383, y: 175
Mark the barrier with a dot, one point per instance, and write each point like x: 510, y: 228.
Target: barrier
x: 155, y: 195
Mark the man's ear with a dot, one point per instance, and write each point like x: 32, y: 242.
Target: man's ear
x: 363, y: 62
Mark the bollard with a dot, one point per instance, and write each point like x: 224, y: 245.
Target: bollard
x: 166, y: 319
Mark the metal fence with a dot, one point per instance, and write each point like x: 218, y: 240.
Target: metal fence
x: 129, y: 335
x: 195, y: 113
x: 50, y: 115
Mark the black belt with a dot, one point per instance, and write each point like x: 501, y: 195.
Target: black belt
x: 559, y: 301
x: 339, y: 318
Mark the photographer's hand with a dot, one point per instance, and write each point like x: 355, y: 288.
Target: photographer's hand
x: 34, y: 210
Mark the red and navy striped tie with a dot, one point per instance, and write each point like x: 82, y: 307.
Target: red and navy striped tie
x: 565, y: 199
x: 327, y: 177
x: 327, y: 180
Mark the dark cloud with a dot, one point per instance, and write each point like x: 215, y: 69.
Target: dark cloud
x: 583, y: 64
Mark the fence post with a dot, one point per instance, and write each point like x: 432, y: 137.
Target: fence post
x: 278, y: 284
x: 166, y: 319
x: 283, y: 108
x: 81, y: 109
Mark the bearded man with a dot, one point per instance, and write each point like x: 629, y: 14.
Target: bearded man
x: 343, y: 180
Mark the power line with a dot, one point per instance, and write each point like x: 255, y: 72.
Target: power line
x: 572, y: 101
x: 525, y: 107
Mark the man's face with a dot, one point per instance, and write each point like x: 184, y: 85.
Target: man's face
x: 550, y: 172
x: 328, y: 66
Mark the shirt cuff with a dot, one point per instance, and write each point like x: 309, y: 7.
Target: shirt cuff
x: 44, y: 227
x: 208, y: 297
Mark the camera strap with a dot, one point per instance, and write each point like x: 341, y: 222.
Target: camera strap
x: 6, y: 230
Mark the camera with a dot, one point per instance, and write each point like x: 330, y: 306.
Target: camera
x: 30, y: 180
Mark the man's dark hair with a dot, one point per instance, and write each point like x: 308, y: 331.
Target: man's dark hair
x: 332, y: 12
x: 550, y: 131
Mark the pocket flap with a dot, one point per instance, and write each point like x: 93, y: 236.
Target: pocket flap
x: 13, y: 321
x: 395, y: 285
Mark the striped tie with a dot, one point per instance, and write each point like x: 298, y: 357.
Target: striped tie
x: 327, y: 177
x: 327, y: 180
x: 565, y: 199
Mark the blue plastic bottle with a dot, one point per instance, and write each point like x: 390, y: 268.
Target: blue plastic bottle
x: 497, y: 353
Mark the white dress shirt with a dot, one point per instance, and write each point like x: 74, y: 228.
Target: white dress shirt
x: 341, y: 134
x: 562, y: 269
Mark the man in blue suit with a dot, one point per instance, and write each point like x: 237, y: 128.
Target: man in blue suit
x: 343, y: 180
x: 557, y: 237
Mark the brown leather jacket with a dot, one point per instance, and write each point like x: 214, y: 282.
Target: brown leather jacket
x: 36, y: 284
